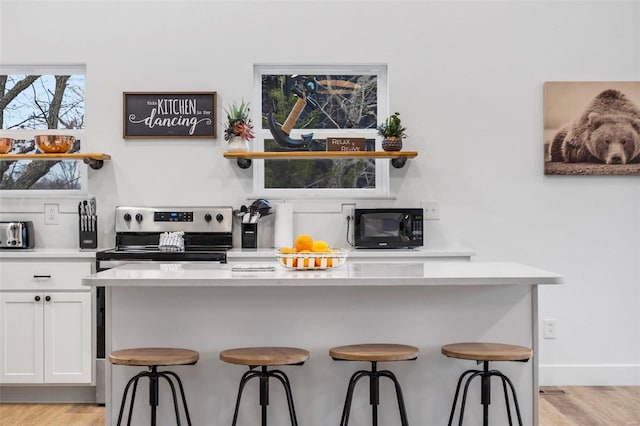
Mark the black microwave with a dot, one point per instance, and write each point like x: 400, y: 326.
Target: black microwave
x: 388, y: 228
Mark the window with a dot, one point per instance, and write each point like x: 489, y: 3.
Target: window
x: 299, y: 108
x: 41, y: 100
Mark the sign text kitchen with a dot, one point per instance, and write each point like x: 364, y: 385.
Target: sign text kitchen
x: 169, y: 115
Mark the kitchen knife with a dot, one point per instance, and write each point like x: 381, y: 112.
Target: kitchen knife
x: 86, y: 219
x: 80, y: 216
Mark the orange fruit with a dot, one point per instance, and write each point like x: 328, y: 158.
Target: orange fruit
x: 303, y: 242
x: 288, y: 250
x: 320, y: 246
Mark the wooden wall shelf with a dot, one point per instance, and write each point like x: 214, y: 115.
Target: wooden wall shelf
x: 398, y: 158
x: 95, y: 160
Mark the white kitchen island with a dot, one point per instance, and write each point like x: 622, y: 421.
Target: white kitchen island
x: 209, y: 308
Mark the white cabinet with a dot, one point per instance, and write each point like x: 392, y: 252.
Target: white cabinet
x: 45, y: 335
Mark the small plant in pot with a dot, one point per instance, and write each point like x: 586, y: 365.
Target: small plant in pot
x: 392, y: 133
x: 238, y: 129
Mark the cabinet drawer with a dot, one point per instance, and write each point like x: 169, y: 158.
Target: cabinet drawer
x: 43, y: 275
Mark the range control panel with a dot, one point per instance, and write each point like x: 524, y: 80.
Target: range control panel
x: 169, y: 219
x: 173, y: 216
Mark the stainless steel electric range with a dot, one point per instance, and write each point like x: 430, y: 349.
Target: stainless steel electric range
x: 205, y: 231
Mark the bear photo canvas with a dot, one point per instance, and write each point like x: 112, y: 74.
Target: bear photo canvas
x: 592, y: 128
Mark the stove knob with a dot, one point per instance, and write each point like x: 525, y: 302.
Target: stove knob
x: 139, y: 217
x: 127, y: 217
x: 207, y: 217
x: 219, y: 217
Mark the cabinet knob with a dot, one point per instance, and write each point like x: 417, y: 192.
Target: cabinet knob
x: 47, y: 298
x: 37, y: 298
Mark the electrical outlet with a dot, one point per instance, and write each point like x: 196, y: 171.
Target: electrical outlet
x: 550, y: 329
x: 431, y: 209
x: 51, y: 214
x: 348, y: 211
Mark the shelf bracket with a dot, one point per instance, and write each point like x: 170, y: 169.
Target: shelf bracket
x: 244, y: 163
x: 399, y: 162
x: 93, y: 163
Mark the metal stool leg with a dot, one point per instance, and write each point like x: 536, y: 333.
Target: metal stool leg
x: 515, y: 397
x: 401, y: 407
x: 173, y: 394
x: 506, y: 395
x: 124, y: 395
x: 455, y: 398
x: 184, y: 399
x: 344, y: 421
x: 282, y: 377
x: 243, y: 381
x: 133, y: 397
x: 464, y: 395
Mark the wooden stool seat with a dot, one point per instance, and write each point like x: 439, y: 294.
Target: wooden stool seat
x: 487, y: 351
x: 374, y: 352
x: 154, y: 356
x: 265, y: 356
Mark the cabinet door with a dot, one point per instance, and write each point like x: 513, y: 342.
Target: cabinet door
x: 67, y: 337
x: 21, y: 337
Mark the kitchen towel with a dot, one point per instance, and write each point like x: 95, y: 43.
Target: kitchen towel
x: 283, y: 227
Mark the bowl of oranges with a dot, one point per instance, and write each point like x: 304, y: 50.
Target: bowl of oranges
x: 309, y: 254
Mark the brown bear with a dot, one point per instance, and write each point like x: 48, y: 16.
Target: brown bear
x: 608, y: 131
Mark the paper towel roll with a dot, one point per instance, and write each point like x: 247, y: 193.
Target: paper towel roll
x: 283, y: 227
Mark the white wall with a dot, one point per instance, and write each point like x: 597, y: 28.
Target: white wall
x: 467, y: 77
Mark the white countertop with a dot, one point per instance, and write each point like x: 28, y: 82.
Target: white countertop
x: 431, y: 273
x: 40, y: 253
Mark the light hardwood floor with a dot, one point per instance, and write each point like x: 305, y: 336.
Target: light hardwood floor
x: 577, y: 406
x: 590, y: 406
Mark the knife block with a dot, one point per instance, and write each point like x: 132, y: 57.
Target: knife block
x: 249, y: 235
x: 88, y: 239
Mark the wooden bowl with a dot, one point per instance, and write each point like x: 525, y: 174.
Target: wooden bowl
x: 54, y: 144
x: 5, y: 145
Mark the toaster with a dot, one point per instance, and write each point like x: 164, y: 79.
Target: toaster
x: 16, y: 235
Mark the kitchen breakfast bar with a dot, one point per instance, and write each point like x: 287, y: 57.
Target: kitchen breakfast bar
x: 427, y: 304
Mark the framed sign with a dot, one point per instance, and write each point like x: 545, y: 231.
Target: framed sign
x: 169, y: 115
x: 346, y: 144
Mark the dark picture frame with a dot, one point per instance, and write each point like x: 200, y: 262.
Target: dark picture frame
x: 171, y: 115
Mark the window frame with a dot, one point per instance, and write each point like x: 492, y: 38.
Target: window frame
x: 48, y: 69
x: 382, y: 186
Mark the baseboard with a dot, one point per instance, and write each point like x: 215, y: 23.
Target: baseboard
x: 590, y: 375
x: 48, y: 394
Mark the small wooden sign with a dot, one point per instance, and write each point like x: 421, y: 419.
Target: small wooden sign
x: 169, y: 115
x: 346, y: 144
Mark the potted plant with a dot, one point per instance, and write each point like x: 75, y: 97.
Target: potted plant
x: 238, y: 129
x: 392, y: 133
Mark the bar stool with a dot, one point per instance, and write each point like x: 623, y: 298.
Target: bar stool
x: 485, y: 352
x: 154, y: 358
x: 374, y: 353
x: 265, y: 357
